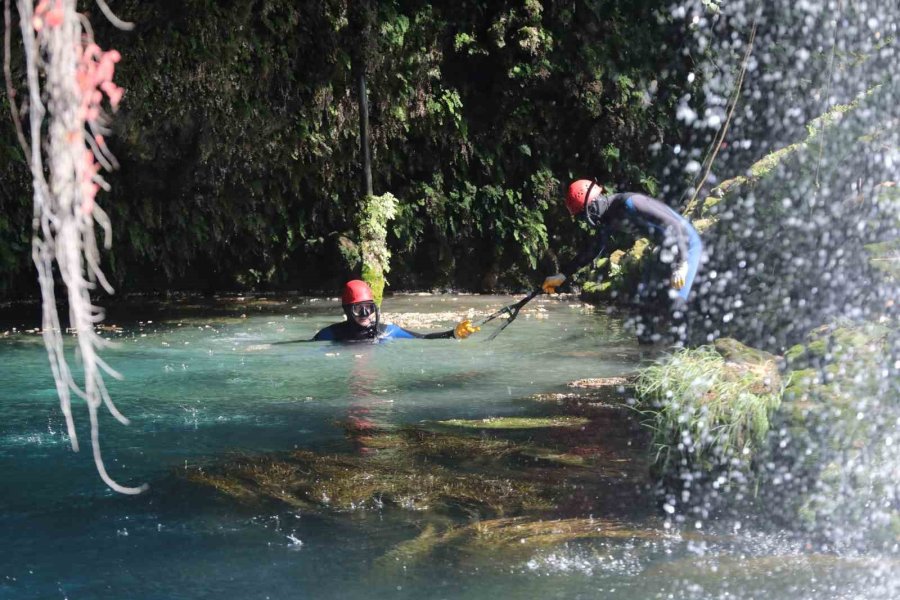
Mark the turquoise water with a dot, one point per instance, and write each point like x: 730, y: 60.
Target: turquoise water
x: 205, y: 382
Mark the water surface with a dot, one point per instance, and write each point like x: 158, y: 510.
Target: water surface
x: 202, y: 383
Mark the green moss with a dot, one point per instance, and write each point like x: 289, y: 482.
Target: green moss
x: 376, y: 213
x: 729, y: 184
x: 376, y: 280
x: 860, y: 337
x: 734, y: 351
x: 592, y: 287
x: 817, y: 348
x: 619, y: 274
x: 409, y: 553
x: 885, y: 256
x: 705, y: 224
x: 765, y: 165
x: 709, y: 205
x: 795, y: 353
x: 837, y: 377
x: 836, y: 343
x: 800, y: 382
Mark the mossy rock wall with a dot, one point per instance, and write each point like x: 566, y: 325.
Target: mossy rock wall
x: 839, y: 426
x: 793, y: 242
x: 238, y: 137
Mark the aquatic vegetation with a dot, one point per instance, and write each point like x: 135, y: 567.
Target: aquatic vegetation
x: 709, y: 405
x: 592, y: 397
x: 434, y: 445
x: 347, y: 482
x: 516, y: 422
x: 603, y: 382
x: 588, y: 402
x: 451, y: 472
x: 514, y: 539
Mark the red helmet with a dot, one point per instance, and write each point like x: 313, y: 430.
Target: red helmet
x: 578, y: 195
x: 356, y: 291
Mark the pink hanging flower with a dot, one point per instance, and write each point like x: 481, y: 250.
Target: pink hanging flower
x: 113, y: 92
x: 55, y: 16
x: 89, y: 189
x: 95, y: 73
x: 45, y: 15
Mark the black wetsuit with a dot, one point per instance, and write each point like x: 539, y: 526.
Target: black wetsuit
x: 676, y: 242
x: 349, y: 331
x: 642, y: 216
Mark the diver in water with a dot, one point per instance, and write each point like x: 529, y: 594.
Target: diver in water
x: 364, y: 321
x: 670, y: 273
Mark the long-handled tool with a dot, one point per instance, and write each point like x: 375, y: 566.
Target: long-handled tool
x: 512, y: 310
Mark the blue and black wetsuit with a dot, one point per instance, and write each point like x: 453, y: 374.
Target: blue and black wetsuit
x: 348, y: 331
x: 663, y: 312
x: 677, y: 241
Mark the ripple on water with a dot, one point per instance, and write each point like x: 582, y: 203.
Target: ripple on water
x: 37, y: 438
x: 591, y: 559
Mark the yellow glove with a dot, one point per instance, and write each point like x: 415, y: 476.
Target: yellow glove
x: 679, y: 275
x: 464, y: 329
x: 551, y: 283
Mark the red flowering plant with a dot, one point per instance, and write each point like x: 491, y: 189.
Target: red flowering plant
x: 68, y: 77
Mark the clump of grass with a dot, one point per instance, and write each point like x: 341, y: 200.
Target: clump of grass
x: 706, y: 409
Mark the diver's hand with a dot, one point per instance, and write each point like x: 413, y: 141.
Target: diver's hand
x: 551, y: 283
x: 679, y: 275
x: 464, y: 329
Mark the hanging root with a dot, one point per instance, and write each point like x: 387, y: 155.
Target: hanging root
x: 66, y: 151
